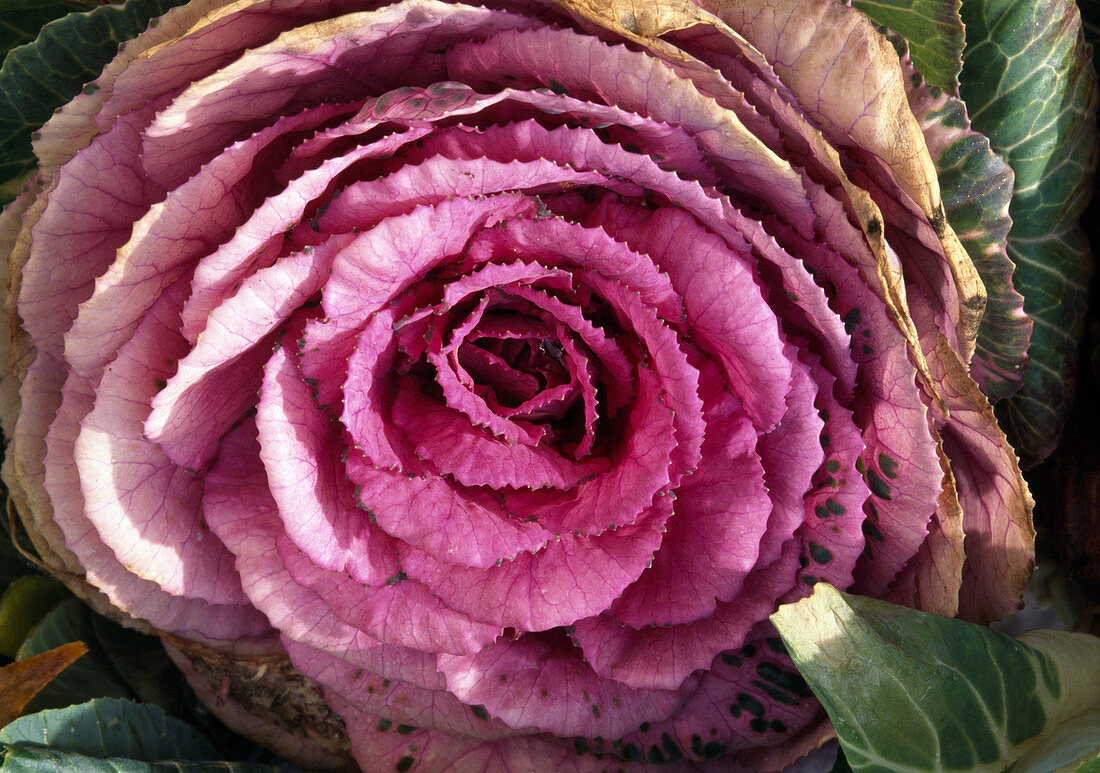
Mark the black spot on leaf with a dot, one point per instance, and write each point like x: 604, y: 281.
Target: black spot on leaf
x: 888, y: 466
x: 820, y: 553
x: 851, y: 320
x: 775, y: 693
x: 878, y: 485
x: 788, y: 681
x: 873, y: 532
x: 670, y: 747
x: 750, y: 704
x: 708, y: 750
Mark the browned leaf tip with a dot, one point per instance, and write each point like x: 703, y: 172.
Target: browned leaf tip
x: 22, y: 680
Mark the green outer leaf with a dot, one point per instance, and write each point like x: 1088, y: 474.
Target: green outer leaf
x: 24, y: 603
x: 934, y: 32
x: 12, y: 564
x: 976, y: 185
x: 935, y: 694
x: 1076, y: 737
x: 108, y: 727
x: 39, y: 759
x: 92, y: 676
x: 141, y: 662
x: 1029, y: 86
x: 41, y: 76
x: 1092, y: 766
x: 20, y: 20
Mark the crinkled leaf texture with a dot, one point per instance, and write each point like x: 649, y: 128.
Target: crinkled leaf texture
x: 68, y: 52
x: 977, y: 189
x: 1029, y: 85
x: 938, y: 694
x: 461, y: 386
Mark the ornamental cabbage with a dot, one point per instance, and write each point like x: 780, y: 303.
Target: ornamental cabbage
x: 462, y: 387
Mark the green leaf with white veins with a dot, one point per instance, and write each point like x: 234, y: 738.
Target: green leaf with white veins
x: 1029, y: 86
x: 935, y: 694
x: 933, y: 30
x: 38, y: 77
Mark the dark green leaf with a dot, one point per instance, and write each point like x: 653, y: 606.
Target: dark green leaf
x: 39, y: 77
x: 20, y: 20
x: 109, y: 727
x: 976, y: 185
x: 93, y: 676
x: 1029, y: 86
x: 12, y: 564
x: 1092, y: 766
x: 24, y: 603
x: 841, y: 765
x: 38, y: 759
x: 933, y: 30
x: 935, y: 694
x: 141, y: 663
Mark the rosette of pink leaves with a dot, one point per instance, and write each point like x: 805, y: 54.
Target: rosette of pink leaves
x: 506, y: 368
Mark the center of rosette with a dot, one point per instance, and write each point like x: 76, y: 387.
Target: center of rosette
x: 500, y: 362
x: 535, y: 378
x: 520, y: 368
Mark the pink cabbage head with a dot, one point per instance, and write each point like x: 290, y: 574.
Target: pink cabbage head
x: 462, y: 387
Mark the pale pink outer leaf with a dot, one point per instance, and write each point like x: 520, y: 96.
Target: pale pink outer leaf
x: 570, y: 578
x: 299, y: 447
x: 396, y: 702
x: 171, y: 234
x: 241, y: 511
x: 541, y: 682
x: 215, y: 381
x: 143, y: 506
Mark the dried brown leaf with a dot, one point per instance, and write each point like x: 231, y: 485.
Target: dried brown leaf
x: 22, y: 680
